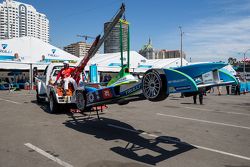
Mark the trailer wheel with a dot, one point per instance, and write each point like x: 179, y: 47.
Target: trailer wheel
x: 154, y: 86
x: 53, y: 105
x: 81, y: 100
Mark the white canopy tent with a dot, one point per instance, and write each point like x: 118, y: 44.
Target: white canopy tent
x: 19, y: 53
x: 110, y: 62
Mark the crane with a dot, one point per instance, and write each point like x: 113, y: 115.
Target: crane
x: 97, y: 44
x: 85, y: 37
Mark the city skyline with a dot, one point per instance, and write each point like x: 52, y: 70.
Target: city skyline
x: 213, y: 30
x: 18, y: 19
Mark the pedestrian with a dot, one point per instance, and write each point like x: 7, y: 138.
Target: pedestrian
x: 200, y: 93
x: 219, y: 90
x: 237, y: 88
x: 228, y: 88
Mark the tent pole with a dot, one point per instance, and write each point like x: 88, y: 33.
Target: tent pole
x: 121, y: 46
x: 128, y: 43
x: 31, y: 76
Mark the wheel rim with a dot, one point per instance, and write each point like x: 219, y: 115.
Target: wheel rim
x: 80, y: 100
x: 151, y: 85
x: 51, y: 103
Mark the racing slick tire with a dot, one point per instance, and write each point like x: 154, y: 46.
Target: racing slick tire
x: 122, y: 102
x: 53, y: 105
x: 81, y: 100
x: 154, y: 86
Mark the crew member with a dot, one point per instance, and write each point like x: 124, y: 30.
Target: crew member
x: 65, y: 74
x: 200, y: 93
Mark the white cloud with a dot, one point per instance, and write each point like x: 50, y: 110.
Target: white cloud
x: 218, y: 39
x: 215, y: 39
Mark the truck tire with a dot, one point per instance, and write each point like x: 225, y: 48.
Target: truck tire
x: 39, y: 99
x: 80, y: 100
x: 154, y: 86
x: 53, y: 105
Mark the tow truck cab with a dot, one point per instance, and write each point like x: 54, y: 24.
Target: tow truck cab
x: 47, y: 91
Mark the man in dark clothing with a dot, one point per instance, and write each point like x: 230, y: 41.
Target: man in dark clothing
x: 228, y: 87
x: 200, y: 93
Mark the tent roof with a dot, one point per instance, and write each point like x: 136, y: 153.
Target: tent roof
x: 30, y: 50
x: 18, y: 53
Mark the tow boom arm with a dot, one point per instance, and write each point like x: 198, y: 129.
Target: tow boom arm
x: 97, y: 44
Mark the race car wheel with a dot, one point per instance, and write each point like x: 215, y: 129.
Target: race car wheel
x: 80, y: 100
x: 154, y: 86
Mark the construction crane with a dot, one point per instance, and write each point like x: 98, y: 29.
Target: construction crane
x: 85, y: 37
x: 97, y: 44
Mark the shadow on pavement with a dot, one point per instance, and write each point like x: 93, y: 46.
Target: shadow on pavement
x: 45, y: 107
x: 137, y: 147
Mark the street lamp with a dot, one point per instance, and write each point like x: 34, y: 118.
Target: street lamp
x: 244, y: 64
x: 181, y: 34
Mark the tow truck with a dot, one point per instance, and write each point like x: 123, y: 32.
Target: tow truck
x: 47, y: 91
x: 155, y: 85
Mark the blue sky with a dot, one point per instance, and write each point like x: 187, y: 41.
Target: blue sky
x: 213, y: 29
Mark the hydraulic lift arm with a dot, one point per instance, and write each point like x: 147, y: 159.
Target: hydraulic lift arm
x: 97, y: 44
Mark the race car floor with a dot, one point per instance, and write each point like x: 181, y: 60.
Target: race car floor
x: 172, y: 133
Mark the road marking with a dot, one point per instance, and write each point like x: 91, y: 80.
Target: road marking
x: 183, y: 143
x: 222, y: 152
x: 205, y: 121
x: 203, y: 109
x: 226, y: 112
x: 53, y: 158
x: 10, y: 101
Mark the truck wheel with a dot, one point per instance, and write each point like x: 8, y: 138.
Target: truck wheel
x: 39, y: 99
x: 53, y: 105
x: 81, y: 100
x: 154, y: 86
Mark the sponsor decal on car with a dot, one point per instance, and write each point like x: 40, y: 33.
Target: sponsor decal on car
x: 177, y: 81
x: 106, y: 93
x: 183, y: 88
x: 172, y: 89
x: 131, y: 90
x: 91, y: 97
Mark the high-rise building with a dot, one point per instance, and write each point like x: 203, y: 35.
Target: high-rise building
x: 112, y: 43
x: 19, y: 19
x: 150, y: 53
x: 79, y: 49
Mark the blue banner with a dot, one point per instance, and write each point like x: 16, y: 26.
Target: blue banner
x: 93, y: 73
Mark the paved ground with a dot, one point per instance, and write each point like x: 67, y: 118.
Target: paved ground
x: 174, y: 132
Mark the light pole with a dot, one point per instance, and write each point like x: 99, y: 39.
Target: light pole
x: 181, y: 33
x: 244, y: 64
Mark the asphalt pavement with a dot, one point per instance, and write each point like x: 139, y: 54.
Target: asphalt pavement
x: 174, y: 132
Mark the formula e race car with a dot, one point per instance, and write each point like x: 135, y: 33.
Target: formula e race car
x: 155, y: 85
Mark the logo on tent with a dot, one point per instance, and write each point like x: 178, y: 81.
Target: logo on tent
x: 4, y: 46
x: 53, y: 51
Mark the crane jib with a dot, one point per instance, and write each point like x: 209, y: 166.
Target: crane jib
x: 97, y: 44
